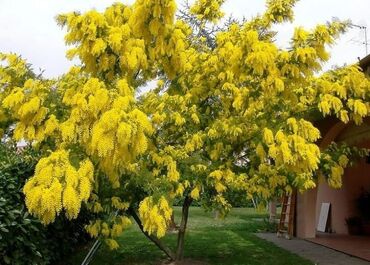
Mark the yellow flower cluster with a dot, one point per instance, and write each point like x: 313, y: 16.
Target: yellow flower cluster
x: 266, y: 180
x: 104, y: 40
x: 27, y: 106
x: 166, y: 161
x: 208, y: 10
x: 118, y: 204
x: 344, y: 94
x: 86, y: 104
x: 221, y: 179
x: 13, y: 72
x: 155, y: 216
x: 109, y: 230
x: 335, y: 178
x: 260, y: 57
x: 293, y: 151
x: 195, y: 193
x: 106, y: 121
x: 128, y: 38
x: 337, y: 171
x: 58, y: 185
x: 156, y: 14
x: 194, y: 143
x: 279, y: 10
x: 119, y: 136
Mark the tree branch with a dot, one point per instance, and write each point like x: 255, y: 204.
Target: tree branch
x: 152, y: 238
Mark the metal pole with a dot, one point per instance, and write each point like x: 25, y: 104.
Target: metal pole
x: 91, y: 253
x: 94, y: 248
x: 364, y: 28
x: 366, y: 43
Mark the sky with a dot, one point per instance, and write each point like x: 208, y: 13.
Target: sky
x: 28, y: 27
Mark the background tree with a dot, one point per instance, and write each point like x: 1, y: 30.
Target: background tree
x: 231, y: 111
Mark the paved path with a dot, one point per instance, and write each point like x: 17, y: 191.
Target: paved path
x: 318, y: 254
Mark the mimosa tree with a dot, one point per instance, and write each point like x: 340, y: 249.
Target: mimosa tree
x: 231, y: 111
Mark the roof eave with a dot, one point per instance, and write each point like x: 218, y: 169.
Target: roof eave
x: 365, y: 62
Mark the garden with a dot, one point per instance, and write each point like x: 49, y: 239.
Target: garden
x: 209, y: 241
x: 169, y: 135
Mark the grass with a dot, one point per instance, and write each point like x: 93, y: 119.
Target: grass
x: 230, y: 241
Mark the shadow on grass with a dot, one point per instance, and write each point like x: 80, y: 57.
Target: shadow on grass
x: 228, y: 242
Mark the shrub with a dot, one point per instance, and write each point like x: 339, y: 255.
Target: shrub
x: 23, y: 239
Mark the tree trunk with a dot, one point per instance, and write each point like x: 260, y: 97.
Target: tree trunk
x: 182, y: 228
x: 172, y: 227
x: 254, y: 203
x: 152, y: 238
x: 217, y: 214
x: 272, y: 211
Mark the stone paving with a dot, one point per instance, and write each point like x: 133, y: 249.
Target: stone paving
x: 318, y: 254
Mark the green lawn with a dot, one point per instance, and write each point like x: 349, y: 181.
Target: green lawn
x: 223, y: 242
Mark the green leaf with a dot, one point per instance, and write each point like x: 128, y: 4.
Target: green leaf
x: 6, y: 259
x: 4, y: 229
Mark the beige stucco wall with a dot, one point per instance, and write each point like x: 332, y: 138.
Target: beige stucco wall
x: 306, y: 214
x: 342, y: 200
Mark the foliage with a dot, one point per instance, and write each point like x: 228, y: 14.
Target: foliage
x: 336, y: 158
x: 236, y: 198
x: 18, y: 230
x: 231, y: 111
x: 23, y: 239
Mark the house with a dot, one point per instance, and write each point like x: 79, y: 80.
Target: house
x: 365, y: 64
x: 342, y: 201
